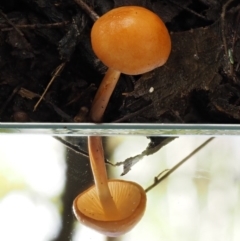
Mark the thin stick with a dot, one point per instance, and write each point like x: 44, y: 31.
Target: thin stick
x: 34, y: 26
x: 224, y: 39
x: 188, y: 9
x: 174, y: 168
x: 128, y: 116
x: 93, y: 15
x: 225, y: 6
x: 11, y: 23
x: 71, y: 146
x: 57, y: 72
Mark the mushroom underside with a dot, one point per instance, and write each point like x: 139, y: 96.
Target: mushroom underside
x: 126, y: 195
x: 130, y: 199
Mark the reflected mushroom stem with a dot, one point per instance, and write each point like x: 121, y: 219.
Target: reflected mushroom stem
x: 103, y: 94
x: 97, y: 162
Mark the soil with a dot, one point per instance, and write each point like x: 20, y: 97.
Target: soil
x: 47, y: 42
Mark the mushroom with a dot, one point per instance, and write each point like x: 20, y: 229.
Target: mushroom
x: 111, y: 207
x: 130, y: 40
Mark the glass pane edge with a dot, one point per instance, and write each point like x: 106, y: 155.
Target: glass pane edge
x: 119, y: 129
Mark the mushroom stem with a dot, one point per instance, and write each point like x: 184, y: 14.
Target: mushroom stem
x: 103, y: 94
x: 96, y: 155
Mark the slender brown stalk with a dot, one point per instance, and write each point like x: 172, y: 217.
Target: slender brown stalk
x: 96, y: 155
x: 103, y: 94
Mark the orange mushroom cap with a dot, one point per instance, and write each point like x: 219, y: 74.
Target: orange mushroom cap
x: 131, y: 39
x: 130, y: 200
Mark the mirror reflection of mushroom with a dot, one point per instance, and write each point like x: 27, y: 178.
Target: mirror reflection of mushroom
x: 130, y: 40
x: 111, y: 207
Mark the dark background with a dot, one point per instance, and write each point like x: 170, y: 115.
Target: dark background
x: 45, y: 39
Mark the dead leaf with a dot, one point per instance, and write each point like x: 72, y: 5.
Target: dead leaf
x: 193, y: 65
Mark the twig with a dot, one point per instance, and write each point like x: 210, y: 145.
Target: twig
x: 93, y: 15
x: 151, y: 149
x: 128, y: 116
x: 166, y: 173
x: 11, y: 23
x: 72, y: 147
x: 38, y: 25
x: 31, y: 95
x: 225, y: 6
x: 55, y: 75
x: 188, y: 9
